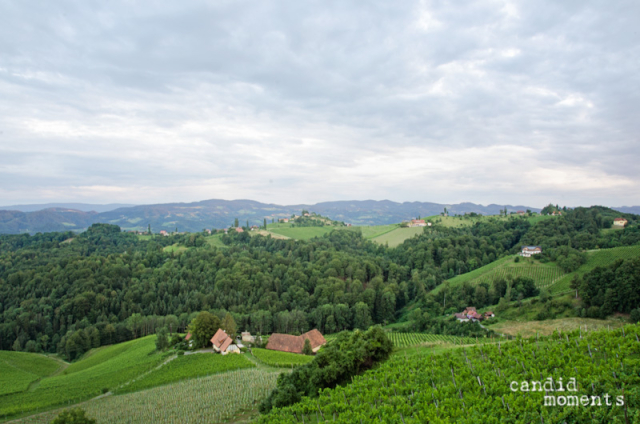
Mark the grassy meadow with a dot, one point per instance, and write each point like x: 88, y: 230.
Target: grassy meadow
x: 275, y: 358
x: 398, y: 236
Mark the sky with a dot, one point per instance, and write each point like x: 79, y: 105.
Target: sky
x: 289, y: 102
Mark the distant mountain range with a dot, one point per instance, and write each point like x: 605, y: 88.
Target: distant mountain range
x: 221, y: 213
x: 84, y: 207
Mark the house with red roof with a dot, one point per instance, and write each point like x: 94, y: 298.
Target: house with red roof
x: 295, y: 344
x: 222, y: 342
x: 619, y: 222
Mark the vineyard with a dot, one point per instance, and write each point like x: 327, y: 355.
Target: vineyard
x: 543, y: 276
x: 414, y: 339
x: 215, y: 398
x: 18, y: 370
x: 189, y: 366
x: 280, y: 359
x: 476, y: 385
x: 401, y: 340
x: 106, y: 369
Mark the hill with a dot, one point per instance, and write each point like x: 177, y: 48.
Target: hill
x: 216, y: 213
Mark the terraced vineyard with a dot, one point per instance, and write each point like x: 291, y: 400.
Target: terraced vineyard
x: 216, y: 398
x: 476, y: 385
x: 414, y: 339
x: 280, y: 359
x: 543, y: 276
x: 189, y: 366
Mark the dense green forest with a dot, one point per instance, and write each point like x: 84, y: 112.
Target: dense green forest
x: 67, y: 293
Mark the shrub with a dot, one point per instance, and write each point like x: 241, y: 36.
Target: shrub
x: 73, y: 416
x: 348, y: 355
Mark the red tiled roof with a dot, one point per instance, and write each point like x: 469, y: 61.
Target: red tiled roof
x: 295, y: 344
x: 619, y: 219
x: 219, y: 338
x: 188, y: 337
x: 285, y: 343
x: 315, y: 338
x: 239, y: 230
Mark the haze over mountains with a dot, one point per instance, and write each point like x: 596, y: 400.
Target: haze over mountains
x: 216, y: 213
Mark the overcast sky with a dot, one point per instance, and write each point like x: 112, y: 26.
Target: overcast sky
x: 508, y: 102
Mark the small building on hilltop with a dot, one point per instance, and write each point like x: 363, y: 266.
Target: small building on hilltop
x: 471, y: 314
x: 619, y: 222
x: 247, y: 337
x: 222, y: 343
x: 295, y: 344
x: 418, y: 223
x: 528, y: 251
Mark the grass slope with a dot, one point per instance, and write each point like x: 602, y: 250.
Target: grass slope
x: 398, y: 236
x: 602, y: 257
x: 18, y: 370
x: 547, y: 327
x: 280, y: 359
x: 301, y: 233
x: 107, y: 368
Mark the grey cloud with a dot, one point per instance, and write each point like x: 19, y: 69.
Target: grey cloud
x: 229, y: 91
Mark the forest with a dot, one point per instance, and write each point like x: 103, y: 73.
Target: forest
x: 68, y: 292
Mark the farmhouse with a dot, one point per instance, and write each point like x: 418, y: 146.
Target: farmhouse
x: 417, y: 223
x: 163, y: 233
x: 521, y: 213
x: 239, y: 230
x: 619, y: 222
x: 247, y: 337
x: 222, y: 343
x: 470, y: 314
x: 295, y: 344
x: 528, y: 251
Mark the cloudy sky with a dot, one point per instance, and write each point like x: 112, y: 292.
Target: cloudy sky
x: 519, y: 102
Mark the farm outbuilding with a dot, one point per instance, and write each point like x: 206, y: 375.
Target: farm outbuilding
x: 295, y: 344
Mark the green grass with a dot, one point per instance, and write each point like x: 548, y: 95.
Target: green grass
x: 18, y: 370
x: 456, y: 221
x: 175, y: 248
x: 215, y: 240
x: 275, y: 358
x: 372, y: 231
x: 596, y: 258
x: 107, y: 368
x: 398, y: 236
x: 189, y: 366
x: 301, y: 233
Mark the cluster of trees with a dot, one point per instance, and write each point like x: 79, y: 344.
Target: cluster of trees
x: 67, y: 292
x: 615, y: 288
x: 348, y: 355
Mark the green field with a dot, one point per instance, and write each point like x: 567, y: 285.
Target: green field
x: 462, y: 221
x: 401, y: 340
x: 107, y: 368
x: 217, y: 398
x: 603, y: 257
x: 414, y: 339
x: 174, y: 248
x: 215, y: 240
x: 18, y: 370
x: 301, y: 233
x: 275, y: 358
x: 189, y: 366
x: 373, y: 231
x: 398, y: 236
x: 543, y: 274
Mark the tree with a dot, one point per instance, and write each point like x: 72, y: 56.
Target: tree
x: 203, y: 327
x: 236, y: 223
x: 229, y: 325
x: 265, y: 223
x: 162, y: 340
x: 362, y: 316
x: 306, y: 350
x: 73, y: 416
x: 149, y: 230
